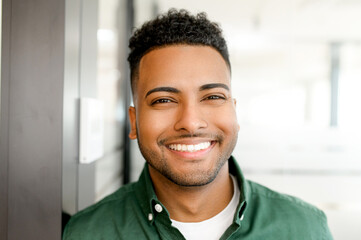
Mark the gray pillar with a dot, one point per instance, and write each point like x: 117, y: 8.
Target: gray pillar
x: 31, y: 119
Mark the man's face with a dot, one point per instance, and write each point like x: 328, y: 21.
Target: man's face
x: 184, y: 115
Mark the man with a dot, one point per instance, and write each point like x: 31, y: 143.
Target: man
x: 185, y: 122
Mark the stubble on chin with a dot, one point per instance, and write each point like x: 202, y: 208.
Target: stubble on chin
x: 193, y: 179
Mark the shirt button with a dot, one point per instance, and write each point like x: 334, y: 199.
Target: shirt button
x: 150, y: 217
x: 158, y: 208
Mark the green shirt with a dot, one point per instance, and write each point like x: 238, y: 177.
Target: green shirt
x: 133, y: 213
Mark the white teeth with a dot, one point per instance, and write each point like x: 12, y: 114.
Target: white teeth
x: 189, y: 148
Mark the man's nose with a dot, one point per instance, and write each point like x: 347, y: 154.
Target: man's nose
x: 190, y: 119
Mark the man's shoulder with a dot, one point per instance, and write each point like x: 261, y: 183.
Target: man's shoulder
x: 279, y: 209
x: 275, y: 197
x: 124, y: 193
x: 98, y: 215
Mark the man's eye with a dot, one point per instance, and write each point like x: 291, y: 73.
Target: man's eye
x: 215, y: 97
x: 162, y: 100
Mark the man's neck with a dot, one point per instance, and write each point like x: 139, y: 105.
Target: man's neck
x: 194, y: 204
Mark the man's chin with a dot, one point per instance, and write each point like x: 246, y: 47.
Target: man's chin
x: 191, y: 179
x: 192, y: 182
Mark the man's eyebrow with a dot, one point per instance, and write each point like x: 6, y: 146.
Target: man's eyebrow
x: 162, y: 89
x: 213, y: 85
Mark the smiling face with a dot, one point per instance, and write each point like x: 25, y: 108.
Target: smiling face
x: 184, y: 115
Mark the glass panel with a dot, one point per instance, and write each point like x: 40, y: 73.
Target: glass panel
x: 111, y: 28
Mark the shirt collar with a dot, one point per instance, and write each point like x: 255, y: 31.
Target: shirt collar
x: 244, y: 188
x: 148, y: 200
x: 145, y: 194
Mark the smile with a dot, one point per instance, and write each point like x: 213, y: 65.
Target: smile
x: 189, y: 148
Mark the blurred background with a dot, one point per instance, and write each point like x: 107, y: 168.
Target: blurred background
x: 296, y: 70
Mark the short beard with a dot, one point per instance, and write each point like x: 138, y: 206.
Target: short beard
x: 160, y: 164
x: 188, y: 181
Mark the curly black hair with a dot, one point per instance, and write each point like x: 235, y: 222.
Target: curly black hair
x: 173, y: 28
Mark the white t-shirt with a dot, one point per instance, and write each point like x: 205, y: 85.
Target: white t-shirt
x: 214, y: 227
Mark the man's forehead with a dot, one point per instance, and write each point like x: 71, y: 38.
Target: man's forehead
x: 180, y: 47
x: 182, y: 63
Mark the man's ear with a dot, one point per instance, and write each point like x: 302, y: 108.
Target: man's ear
x: 133, y: 126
